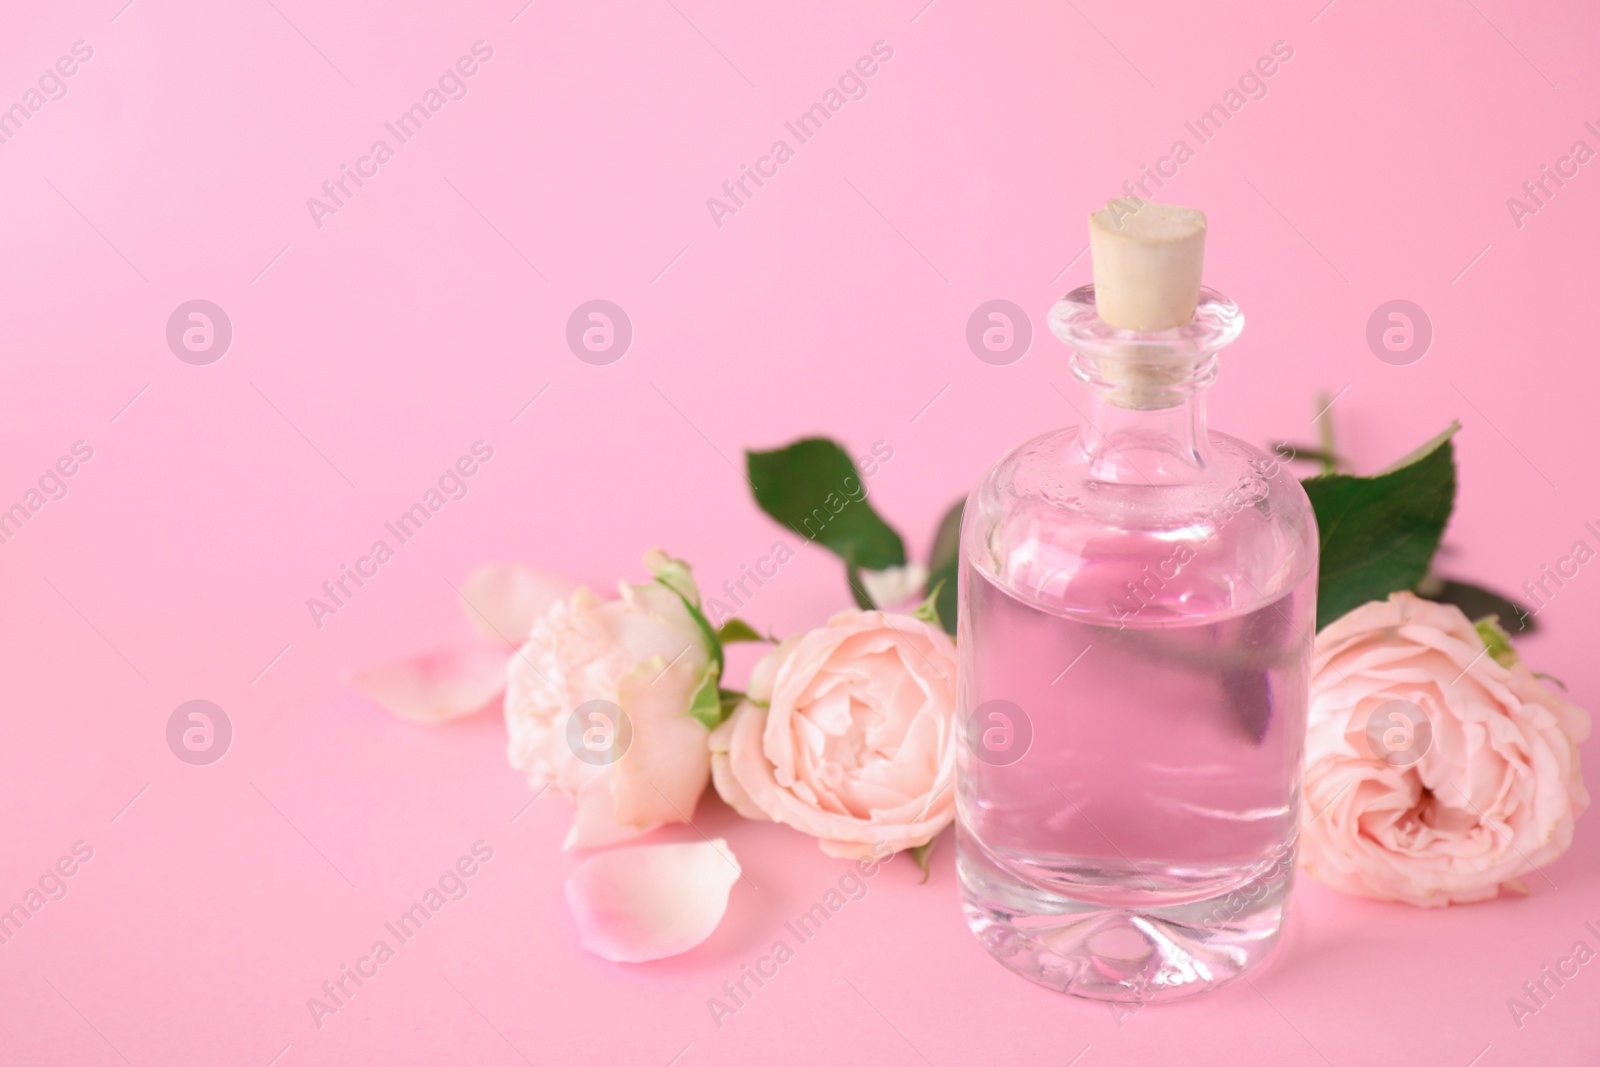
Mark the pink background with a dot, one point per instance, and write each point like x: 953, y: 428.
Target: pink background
x: 431, y: 309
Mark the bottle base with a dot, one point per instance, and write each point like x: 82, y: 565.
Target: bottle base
x: 1124, y: 954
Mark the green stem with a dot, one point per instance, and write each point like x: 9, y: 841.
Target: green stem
x: 1330, y: 463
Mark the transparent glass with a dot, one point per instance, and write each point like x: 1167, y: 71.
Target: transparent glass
x: 1137, y: 605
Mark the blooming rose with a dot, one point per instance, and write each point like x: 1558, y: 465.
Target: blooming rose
x: 1438, y: 768
x: 645, y: 654
x: 848, y: 735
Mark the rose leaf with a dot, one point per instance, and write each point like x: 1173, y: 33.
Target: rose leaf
x: 813, y: 488
x: 736, y: 630
x: 1379, y: 533
x: 943, y: 562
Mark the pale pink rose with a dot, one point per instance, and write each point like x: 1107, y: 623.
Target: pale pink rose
x: 643, y: 653
x: 1495, y: 790
x: 849, y: 735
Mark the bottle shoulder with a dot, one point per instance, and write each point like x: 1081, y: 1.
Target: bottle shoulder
x: 1219, y: 537
x: 1050, y: 468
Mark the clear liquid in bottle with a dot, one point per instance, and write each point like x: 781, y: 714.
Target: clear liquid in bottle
x: 1137, y: 605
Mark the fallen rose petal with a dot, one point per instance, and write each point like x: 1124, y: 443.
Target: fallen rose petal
x: 435, y: 686
x: 647, y: 902
x: 502, y: 600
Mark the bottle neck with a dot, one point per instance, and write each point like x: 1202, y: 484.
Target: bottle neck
x: 1145, y: 427
x: 1145, y: 423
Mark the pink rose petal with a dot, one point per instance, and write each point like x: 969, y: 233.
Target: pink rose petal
x: 502, y: 600
x: 435, y: 686
x: 856, y: 745
x: 660, y: 778
x: 722, y: 777
x: 647, y: 902
x: 642, y: 654
x: 1492, y: 792
x: 594, y: 818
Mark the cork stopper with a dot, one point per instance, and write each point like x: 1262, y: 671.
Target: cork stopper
x: 1147, y: 260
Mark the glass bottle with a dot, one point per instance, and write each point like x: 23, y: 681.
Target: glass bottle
x: 1137, y: 606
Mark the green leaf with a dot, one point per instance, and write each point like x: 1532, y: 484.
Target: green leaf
x: 729, y: 699
x: 736, y: 630
x: 812, y: 487
x: 943, y: 563
x: 1294, y: 453
x: 927, y: 611
x: 858, y: 588
x: 923, y: 854
x: 1379, y: 533
x: 703, y: 624
x: 706, y: 704
x: 1424, y: 450
x: 1477, y: 602
x: 1324, y: 423
x: 1496, y: 640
